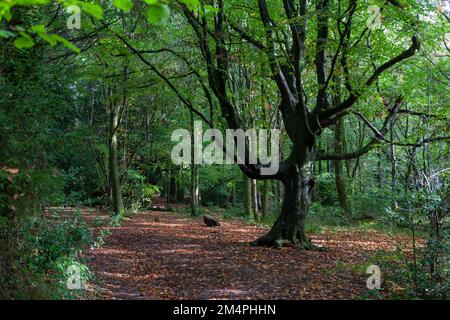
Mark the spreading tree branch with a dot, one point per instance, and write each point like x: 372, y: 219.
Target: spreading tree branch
x: 355, y: 95
x: 186, y: 102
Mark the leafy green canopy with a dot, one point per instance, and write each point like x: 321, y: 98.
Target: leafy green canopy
x: 157, y: 11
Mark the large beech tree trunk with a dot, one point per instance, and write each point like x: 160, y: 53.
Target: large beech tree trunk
x: 289, y: 228
x: 295, y: 175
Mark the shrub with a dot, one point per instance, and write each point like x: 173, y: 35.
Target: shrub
x: 137, y: 194
x: 40, y: 254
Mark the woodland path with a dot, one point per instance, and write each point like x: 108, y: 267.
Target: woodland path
x: 165, y: 255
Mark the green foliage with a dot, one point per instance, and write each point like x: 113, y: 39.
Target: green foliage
x: 326, y: 189
x: 56, y: 104
x: 231, y: 213
x: 137, y: 194
x: 24, y: 41
x: 51, y: 241
x: 405, y: 278
x: 43, y: 250
x: 124, y: 5
x: 90, y: 8
x: 149, y: 191
x: 216, y: 184
x: 158, y: 13
x: 326, y: 216
x: 427, y: 273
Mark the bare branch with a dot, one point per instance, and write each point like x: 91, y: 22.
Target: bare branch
x: 186, y: 102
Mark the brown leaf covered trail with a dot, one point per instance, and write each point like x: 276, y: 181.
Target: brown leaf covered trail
x: 164, y: 255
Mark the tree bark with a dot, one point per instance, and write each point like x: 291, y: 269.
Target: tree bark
x: 280, y: 193
x: 232, y: 197
x: 180, y: 192
x: 173, y: 188
x: 254, y: 198
x: 393, y: 162
x: 194, y: 173
x: 289, y: 228
x: 194, y: 189
x: 379, y: 171
x: 114, y: 170
x: 247, y: 195
x: 339, y: 168
x: 168, y: 188
x: 266, y: 198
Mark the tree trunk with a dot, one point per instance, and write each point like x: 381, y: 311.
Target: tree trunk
x: 175, y: 190
x: 168, y: 189
x: 280, y: 193
x: 289, y: 228
x: 254, y: 198
x: 194, y: 169
x: 180, y: 192
x: 319, y: 164
x: 247, y: 195
x: 194, y: 190
x: 232, y: 197
x: 266, y: 198
x: 339, y: 168
x: 276, y: 196
x: 114, y: 176
x: 393, y: 162
x: 379, y: 171
x: 180, y: 188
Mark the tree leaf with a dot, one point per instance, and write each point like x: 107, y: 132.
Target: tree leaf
x: 24, y: 41
x: 39, y: 28
x: 124, y: 5
x: 94, y: 10
x: 158, y: 13
x: 31, y: 2
x: 66, y: 43
x: 191, y: 4
x: 5, y: 11
x: 6, y: 33
x: 209, y: 8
